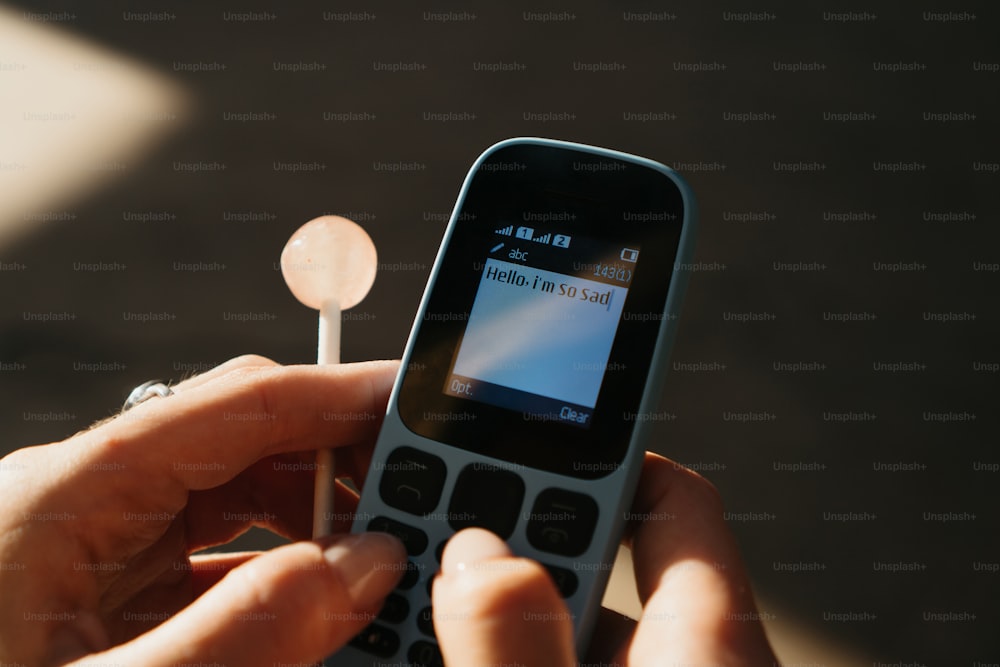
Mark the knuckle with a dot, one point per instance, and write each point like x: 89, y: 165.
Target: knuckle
x: 252, y: 361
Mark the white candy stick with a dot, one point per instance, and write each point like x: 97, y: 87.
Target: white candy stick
x: 327, y: 352
x: 329, y: 264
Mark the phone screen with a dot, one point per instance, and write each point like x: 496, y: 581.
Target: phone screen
x: 536, y: 336
x: 541, y: 327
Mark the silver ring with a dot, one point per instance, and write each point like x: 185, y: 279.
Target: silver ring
x: 146, y: 391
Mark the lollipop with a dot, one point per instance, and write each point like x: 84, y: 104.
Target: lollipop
x: 328, y: 264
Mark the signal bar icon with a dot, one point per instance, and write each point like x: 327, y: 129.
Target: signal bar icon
x: 528, y: 234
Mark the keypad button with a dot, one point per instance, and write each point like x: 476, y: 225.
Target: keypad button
x: 412, y: 480
x: 486, y: 497
x: 410, y: 577
x: 395, y: 609
x: 414, y: 539
x: 425, y: 654
x: 378, y: 640
x: 562, y: 522
x: 566, y: 582
x: 425, y: 621
x: 439, y: 550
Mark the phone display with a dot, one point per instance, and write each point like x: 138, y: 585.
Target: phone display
x: 538, y: 351
x: 557, y: 329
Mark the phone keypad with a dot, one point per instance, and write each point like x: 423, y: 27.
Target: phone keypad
x: 412, y: 480
x: 425, y: 654
x: 414, y: 539
x: 425, y: 621
x: 486, y: 497
x: 395, y: 609
x: 410, y: 577
x: 378, y: 640
x: 562, y: 522
x: 565, y: 581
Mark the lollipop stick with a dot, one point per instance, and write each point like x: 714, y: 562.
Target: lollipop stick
x: 329, y: 264
x: 327, y: 352
x: 323, y: 494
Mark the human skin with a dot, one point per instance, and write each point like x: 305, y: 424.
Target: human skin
x: 99, y: 533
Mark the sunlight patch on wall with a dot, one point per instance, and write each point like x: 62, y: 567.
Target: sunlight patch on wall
x: 74, y: 116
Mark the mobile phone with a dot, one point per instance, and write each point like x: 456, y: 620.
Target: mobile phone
x: 530, y: 377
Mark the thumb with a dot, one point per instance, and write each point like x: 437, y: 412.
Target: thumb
x: 296, y: 603
x: 492, y: 608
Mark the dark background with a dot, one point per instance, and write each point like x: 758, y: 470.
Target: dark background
x: 843, y: 516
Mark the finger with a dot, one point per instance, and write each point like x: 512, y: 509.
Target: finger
x: 274, y: 493
x: 168, y: 593
x: 280, y: 503
x: 613, y: 631
x: 696, y: 594
x: 150, y: 580
x: 244, y: 361
x: 208, y: 569
x: 485, y: 596
x: 151, y: 457
x: 353, y: 467
x: 204, y: 436
x: 296, y: 603
x: 155, y: 567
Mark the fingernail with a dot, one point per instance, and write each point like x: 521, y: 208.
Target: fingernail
x: 369, y: 563
x: 470, y: 547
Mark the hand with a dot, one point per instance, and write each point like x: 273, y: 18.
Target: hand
x: 491, y: 608
x: 96, y: 537
x: 96, y: 531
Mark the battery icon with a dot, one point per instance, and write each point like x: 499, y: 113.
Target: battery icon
x: 629, y: 254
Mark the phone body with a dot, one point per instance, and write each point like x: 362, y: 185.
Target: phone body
x: 531, y: 376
